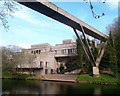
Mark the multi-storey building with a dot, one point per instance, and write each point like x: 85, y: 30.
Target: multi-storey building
x: 48, y: 58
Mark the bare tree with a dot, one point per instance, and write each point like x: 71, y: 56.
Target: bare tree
x: 24, y: 60
x: 18, y: 60
x: 7, y: 8
x: 96, y: 16
x: 31, y: 59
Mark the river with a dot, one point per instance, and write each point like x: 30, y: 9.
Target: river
x: 34, y: 87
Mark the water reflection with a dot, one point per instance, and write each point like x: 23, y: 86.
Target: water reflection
x: 97, y: 91
x: 46, y: 87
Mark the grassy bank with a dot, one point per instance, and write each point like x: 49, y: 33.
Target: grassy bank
x: 103, y: 79
x: 20, y: 76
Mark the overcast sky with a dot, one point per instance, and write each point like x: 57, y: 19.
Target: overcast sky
x: 29, y: 27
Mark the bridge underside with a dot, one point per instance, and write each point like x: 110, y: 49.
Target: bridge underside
x: 54, y: 12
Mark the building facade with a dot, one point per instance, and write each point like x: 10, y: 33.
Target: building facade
x: 47, y: 58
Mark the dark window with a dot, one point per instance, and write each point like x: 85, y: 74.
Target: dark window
x: 46, y: 71
x: 32, y: 52
x: 51, y: 71
x: 39, y: 51
x: 36, y: 51
x: 63, y: 51
x: 46, y: 64
x: 41, y: 63
x: 57, y: 70
x: 69, y: 51
x: 73, y: 50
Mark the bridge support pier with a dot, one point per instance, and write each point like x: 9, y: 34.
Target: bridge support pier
x: 96, y: 72
x: 89, y: 54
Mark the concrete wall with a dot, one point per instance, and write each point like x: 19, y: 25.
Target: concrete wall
x: 47, y: 61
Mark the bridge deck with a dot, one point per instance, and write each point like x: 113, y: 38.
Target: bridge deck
x: 51, y: 10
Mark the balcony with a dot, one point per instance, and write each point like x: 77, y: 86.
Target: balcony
x: 65, y: 55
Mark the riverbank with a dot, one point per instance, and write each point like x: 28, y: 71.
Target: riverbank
x: 60, y: 78
x: 104, y: 79
x: 20, y: 76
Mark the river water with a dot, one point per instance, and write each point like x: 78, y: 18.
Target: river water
x: 37, y: 88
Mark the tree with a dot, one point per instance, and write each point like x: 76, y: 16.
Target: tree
x: 96, y: 16
x: 24, y: 60
x: 61, y: 68
x: 18, y: 61
x: 7, y: 60
x: 7, y: 8
x: 80, y: 53
x: 84, y: 63
x: 30, y: 58
x: 114, y: 46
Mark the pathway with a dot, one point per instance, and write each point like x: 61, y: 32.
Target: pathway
x: 60, y: 77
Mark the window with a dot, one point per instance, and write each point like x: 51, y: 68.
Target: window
x: 36, y: 51
x: 46, y: 64
x: 55, y: 51
x: 39, y: 51
x: 32, y: 52
x: 51, y: 71
x: 41, y: 63
x: 65, y: 51
x: 69, y: 51
x: 46, y: 71
x: 62, y: 52
x: 73, y: 50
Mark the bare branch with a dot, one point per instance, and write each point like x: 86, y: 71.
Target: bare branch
x: 91, y: 7
x: 7, y: 9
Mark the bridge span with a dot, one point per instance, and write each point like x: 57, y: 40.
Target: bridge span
x: 51, y: 10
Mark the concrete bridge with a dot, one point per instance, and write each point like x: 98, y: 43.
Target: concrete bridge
x: 51, y: 10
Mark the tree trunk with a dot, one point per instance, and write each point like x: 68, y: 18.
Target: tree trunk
x: 96, y: 72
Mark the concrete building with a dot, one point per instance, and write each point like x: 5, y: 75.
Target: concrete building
x: 47, y: 58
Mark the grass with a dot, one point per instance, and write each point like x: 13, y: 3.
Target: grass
x: 104, y: 78
x: 33, y: 78
x: 20, y: 76
x: 7, y: 75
